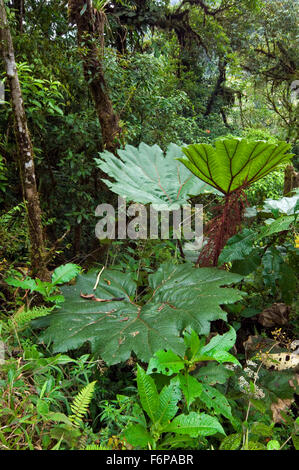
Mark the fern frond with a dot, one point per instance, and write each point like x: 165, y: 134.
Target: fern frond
x: 96, y: 447
x: 7, y: 217
x: 19, y: 319
x: 81, y: 403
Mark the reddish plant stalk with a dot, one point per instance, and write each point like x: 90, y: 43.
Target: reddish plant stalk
x: 222, y: 227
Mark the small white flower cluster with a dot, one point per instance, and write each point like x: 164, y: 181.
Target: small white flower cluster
x: 244, y: 384
x: 231, y: 366
x: 251, y: 364
x: 250, y: 373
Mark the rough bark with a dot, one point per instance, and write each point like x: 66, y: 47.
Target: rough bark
x: 25, y: 151
x: 90, y: 26
x: 291, y: 179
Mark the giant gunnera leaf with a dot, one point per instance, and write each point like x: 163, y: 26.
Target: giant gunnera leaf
x: 146, y: 176
x: 234, y: 163
x: 108, y: 317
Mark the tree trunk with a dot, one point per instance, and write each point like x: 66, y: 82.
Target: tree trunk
x: 218, y: 88
x: 25, y: 152
x: 291, y: 179
x: 18, y: 5
x: 90, y: 25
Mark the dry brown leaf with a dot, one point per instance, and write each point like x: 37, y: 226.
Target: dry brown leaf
x: 276, y: 315
x: 277, y: 408
x: 281, y: 361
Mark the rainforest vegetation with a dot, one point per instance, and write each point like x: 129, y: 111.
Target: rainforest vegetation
x: 115, y: 114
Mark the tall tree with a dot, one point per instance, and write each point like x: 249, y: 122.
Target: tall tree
x: 91, y: 25
x: 25, y: 151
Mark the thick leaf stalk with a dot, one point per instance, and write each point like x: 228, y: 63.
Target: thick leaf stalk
x: 223, y: 227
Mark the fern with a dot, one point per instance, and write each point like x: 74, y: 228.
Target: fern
x: 20, y: 319
x: 95, y: 447
x: 80, y: 404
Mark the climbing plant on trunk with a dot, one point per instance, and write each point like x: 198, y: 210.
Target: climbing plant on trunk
x: 25, y: 151
x: 231, y: 167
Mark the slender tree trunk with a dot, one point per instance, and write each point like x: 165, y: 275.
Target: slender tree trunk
x: 19, y: 7
x: 25, y: 151
x: 90, y: 25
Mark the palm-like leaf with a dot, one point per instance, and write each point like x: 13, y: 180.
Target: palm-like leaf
x: 234, y: 163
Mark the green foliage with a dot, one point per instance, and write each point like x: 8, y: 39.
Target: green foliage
x: 234, y: 163
x: 81, y: 403
x: 115, y: 324
x: 268, y: 251
x: 3, y: 178
x: 271, y: 186
x: 179, y: 368
x: 144, y: 175
x: 61, y: 275
x: 161, y: 408
x: 14, y: 234
x: 22, y: 318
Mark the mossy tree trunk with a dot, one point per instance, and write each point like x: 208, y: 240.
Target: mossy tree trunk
x: 25, y: 151
x: 90, y: 26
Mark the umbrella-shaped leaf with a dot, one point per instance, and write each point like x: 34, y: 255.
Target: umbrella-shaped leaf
x: 234, y: 163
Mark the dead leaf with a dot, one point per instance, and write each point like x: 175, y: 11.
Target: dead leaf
x: 277, y: 408
x: 276, y: 315
x: 96, y: 299
x: 87, y: 296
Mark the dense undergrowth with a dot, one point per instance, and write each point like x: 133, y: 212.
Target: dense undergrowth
x: 136, y: 342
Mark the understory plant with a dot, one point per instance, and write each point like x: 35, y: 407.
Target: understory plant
x: 105, y: 310
x: 201, y: 406
x: 231, y: 167
x: 48, y: 290
x: 145, y: 175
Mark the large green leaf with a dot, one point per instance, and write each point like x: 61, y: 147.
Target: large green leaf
x: 191, y: 388
x: 181, y: 296
x: 65, y: 273
x: 144, y: 175
x: 165, y: 362
x: 195, y: 424
x: 168, y: 399
x: 216, y: 401
x: 240, y: 246
x: 138, y: 436
x: 148, y: 394
x: 233, y: 163
x: 285, y: 205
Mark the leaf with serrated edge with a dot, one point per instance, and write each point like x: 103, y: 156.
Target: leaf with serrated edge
x: 234, y: 162
x: 65, y: 273
x: 220, y: 343
x: 138, y: 436
x: 195, y: 424
x: 148, y: 394
x: 191, y: 388
x: 216, y: 401
x: 181, y: 296
x: 146, y: 176
x: 168, y: 399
